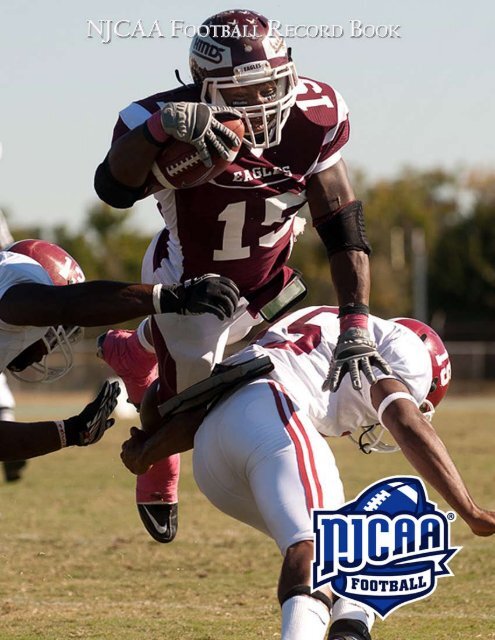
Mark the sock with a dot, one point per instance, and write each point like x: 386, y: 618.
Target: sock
x: 160, y: 483
x: 343, y: 609
x: 304, y: 617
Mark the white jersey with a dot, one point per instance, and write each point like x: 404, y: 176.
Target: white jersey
x: 15, y: 269
x: 301, y: 348
x: 5, y: 235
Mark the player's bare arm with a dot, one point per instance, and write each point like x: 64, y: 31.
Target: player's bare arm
x: 19, y: 440
x: 159, y: 437
x: 338, y: 219
x: 426, y: 452
x: 142, y: 450
x: 328, y: 193
x: 122, y: 178
x: 105, y: 302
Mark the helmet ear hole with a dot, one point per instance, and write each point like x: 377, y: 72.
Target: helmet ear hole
x: 423, y: 337
x: 434, y: 385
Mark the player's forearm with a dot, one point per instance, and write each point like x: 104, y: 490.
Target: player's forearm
x: 427, y: 453
x: 351, y: 276
x: 176, y: 436
x: 130, y: 158
x: 19, y: 441
x: 87, y: 304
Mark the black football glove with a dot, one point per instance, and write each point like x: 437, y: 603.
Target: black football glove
x: 89, y: 426
x: 195, y: 122
x: 355, y: 352
x: 210, y: 293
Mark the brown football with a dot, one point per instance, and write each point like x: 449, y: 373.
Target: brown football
x: 179, y: 167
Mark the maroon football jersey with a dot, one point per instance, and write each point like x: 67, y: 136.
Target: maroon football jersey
x: 240, y: 224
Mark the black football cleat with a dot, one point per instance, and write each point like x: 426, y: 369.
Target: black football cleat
x: 160, y: 520
x: 12, y: 470
x: 348, y: 629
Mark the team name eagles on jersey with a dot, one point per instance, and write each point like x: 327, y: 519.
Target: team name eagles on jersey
x: 241, y: 223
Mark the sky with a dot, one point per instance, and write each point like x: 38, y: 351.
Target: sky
x: 425, y: 99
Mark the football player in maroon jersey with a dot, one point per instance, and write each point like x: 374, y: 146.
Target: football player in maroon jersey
x: 38, y: 319
x: 240, y: 224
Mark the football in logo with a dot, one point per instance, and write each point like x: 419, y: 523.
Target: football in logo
x: 393, y: 498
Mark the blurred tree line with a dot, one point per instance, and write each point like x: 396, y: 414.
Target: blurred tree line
x: 454, y: 213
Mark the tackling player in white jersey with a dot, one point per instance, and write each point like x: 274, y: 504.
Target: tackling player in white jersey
x: 260, y: 458
x: 38, y: 319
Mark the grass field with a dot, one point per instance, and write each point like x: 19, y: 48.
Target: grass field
x: 76, y: 562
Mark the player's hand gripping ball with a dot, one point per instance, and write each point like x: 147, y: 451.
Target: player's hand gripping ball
x: 180, y: 164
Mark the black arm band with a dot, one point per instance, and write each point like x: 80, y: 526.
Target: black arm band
x: 344, y: 230
x: 355, y: 307
x: 113, y: 192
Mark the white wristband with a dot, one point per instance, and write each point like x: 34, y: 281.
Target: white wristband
x: 60, y: 424
x: 141, y: 334
x: 392, y: 398
x: 157, y: 289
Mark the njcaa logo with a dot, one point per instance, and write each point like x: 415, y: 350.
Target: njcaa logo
x: 386, y: 548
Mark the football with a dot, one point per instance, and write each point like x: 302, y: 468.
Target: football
x: 392, y: 498
x: 179, y: 167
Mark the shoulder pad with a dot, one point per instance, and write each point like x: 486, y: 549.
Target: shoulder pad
x: 320, y: 104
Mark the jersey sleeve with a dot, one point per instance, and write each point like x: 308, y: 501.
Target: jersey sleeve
x: 129, y: 118
x: 137, y: 112
x: 17, y: 269
x: 335, y: 138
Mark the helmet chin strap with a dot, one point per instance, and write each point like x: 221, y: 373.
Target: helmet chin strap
x: 371, y: 437
x: 179, y: 79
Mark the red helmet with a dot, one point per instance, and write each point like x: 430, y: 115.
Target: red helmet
x: 240, y: 48
x: 440, y: 361
x: 60, y: 266
x: 372, y: 438
x: 63, y: 270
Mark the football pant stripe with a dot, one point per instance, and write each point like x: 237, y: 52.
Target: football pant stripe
x: 303, y: 453
x: 303, y: 431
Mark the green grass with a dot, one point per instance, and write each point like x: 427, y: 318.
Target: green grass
x: 76, y: 562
